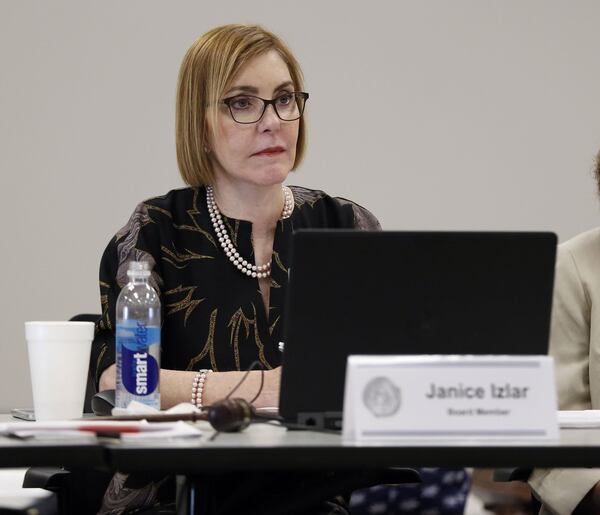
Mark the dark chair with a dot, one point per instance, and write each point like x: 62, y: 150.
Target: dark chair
x: 90, y: 388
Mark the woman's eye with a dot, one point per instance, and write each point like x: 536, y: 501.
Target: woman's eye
x: 284, y: 99
x: 241, y: 103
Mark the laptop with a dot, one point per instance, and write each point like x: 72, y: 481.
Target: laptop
x: 389, y: 292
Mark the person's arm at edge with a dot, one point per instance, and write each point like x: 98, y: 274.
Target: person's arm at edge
x: 176, y: 386
x: 566, y: 491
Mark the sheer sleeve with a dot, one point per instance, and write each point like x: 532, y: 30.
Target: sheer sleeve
x: 137, y: 241
x: 363, y: 219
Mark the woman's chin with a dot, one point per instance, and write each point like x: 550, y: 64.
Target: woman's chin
x: 270, y: 177
x: 257, y: 176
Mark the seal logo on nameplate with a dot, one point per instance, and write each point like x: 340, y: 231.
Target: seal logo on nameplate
x: 381, y: 397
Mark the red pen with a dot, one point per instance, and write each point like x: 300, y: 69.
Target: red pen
x: 113, y: 428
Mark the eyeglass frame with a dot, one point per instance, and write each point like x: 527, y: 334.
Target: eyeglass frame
x: 303, y: 94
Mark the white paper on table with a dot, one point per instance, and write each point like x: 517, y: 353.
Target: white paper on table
x: 139, y: 408
x: 128, y: 430
x: 178, y: 429
x: 579, y: 418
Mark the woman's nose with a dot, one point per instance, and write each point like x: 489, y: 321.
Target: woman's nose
x: 269, y: 120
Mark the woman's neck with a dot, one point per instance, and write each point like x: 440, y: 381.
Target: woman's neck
x: 261, y: 205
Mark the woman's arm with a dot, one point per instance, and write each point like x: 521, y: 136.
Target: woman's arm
x: 566, y: 491
x: 176, y: 386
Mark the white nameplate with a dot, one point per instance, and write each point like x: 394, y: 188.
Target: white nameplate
x: 466, y: 397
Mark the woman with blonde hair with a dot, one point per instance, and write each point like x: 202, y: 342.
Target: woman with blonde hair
x: 219, y: 249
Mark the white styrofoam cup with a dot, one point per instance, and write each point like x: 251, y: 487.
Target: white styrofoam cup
x: 59, y: 355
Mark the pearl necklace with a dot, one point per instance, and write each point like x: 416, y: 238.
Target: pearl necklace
x: 259, y: 271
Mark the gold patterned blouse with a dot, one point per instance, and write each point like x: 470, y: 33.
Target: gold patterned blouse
x: 213, y: 316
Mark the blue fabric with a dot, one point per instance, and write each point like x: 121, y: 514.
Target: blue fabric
x: 442, y: 492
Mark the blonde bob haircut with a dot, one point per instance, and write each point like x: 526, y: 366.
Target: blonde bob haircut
x: 207, y: 69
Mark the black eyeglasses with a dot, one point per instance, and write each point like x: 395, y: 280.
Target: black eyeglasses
x: 250, y: 109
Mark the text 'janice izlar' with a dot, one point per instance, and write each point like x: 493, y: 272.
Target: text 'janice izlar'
x: 461, y: 391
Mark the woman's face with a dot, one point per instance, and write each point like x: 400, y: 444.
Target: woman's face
x: 260, y: 153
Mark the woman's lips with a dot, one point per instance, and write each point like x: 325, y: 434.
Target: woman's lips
x: 271, y: 151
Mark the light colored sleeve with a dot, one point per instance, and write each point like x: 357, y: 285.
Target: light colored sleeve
x: 571, y: 334
x: 561, y: 490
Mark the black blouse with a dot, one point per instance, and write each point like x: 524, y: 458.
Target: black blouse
x: 213, y: 315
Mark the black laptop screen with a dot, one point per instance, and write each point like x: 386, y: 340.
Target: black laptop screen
x: 356, y: 292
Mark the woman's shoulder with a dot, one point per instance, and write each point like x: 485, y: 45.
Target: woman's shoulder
x: 154, y: 214
x: 173, y: 201
x: 306, y: 197
x: 168, y: 206
x: 587, y: 242
x: 313, y: 199
x: 152, y: 221
x: 578, y: 261
x: 583, y: 249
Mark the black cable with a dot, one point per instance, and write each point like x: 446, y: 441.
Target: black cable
x: 262, y: 382
x: 235, y: 414
x: 252, y: 366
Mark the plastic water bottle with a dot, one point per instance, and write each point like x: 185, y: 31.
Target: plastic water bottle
x: 138, y: 340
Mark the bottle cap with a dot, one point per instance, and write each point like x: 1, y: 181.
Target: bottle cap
x: 138, y: 269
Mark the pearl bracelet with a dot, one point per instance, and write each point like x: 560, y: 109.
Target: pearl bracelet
x: 198, y: 386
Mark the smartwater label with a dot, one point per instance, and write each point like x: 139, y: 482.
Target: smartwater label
x: 139, y: 346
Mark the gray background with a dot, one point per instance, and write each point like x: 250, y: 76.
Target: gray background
x: 468, y: 114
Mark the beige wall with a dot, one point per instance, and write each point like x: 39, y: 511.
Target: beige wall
x: 434, y: 114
